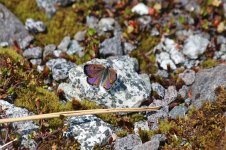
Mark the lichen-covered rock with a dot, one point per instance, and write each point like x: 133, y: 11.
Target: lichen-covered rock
x: 64, y: 43
x: 24, y: 43
x: 195, y: 45
x: 10, y: 27
x: 128, y: 142
x: 74, y: 47
x: 129, y: 90
x: 88, y: 130
x: 24, y: 127
x: 188, y: 76
x: 35, y: 26
x: 153, y: 144
x: 206, y: 81
x: 128, y: 47
x: 143, y: 125
x: 60, y: 68
x: 178, y: 111
x: 170, y: 94
x: 49, y: 50
x: 106, y: 24
x: 112, y: 46
x: 159, y: 89
x: 32, y: 53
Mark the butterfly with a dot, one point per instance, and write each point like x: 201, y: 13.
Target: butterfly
x: 99, y: 74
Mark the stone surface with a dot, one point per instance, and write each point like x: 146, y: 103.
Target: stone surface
x: 153, y: 144
x: 64, y: 43
x: 49, y: 50
x: 128, y: 48
x: 129, y: 90
x: 24, y: 127
x: 91, y: 21
x: 106, y: 24
x: 112, y: 46
x: 74, y: 47
x: 188, y: 76
x: 60, y: 70
x: 170, y: 94
x: 88, y: 130
x: 80, y: 36
x: 159, y: 89
x: 140, y: 9
x: 36, y: 61
x: 24, y: 43
x: 178, y: 111
x: 183, y: 92
x: 140, y: 125
x: 195, y: 45
x: 206, y: 82
x: 31, y: 53
x: 128, y: 142
x: 4, y: 44
x: 10, y: 27
x: 50, y: 5
x: 35, y: 26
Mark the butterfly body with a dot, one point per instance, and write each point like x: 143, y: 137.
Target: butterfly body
x: 98, y: 74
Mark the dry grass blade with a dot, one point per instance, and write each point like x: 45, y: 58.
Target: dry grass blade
x: 77, y: 113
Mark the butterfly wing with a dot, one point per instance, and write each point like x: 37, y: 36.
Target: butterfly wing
x: 110, y: 78
x: 94, y: 73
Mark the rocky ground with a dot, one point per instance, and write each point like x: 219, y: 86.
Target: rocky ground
x: 166, y: 53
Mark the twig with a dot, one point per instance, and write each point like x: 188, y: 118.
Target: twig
x: 77, y: 113
x: 7, y: 145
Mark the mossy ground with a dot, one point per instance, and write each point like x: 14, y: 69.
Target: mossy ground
x: 200, y: 129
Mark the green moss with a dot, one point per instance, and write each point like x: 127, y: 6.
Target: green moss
x: 121, y: 133
x: 12, y: 54
x: 39, y: 100
x: 209, y: 120
x: 145, y: 135
x: 144, y: 54
x: 209, y: 63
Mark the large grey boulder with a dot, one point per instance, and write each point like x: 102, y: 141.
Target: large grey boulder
x: 10, y: 27
x: 206, y: 81
x: 129, y: 90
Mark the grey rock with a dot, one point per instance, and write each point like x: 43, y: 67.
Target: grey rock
x: 141, y: 125
x: 155, y: 32
x: 188, y: 76
x: 23, y: 127
x: 10, y: 27
x: 153, y: 117
x: 162, y: 73
x: 80, y: 36
x: 91, y: 21
x: 31, y: 53
x: 64, y: 43
x: 183, y: 34
x: 178, y: 111
x: 128, y: 48
x: 35, y: 26
x: 57, y: 53
x: 36, y: 61
x: 128, y: 142
x: 170, y: 94
x: 88, y: 130
x: 24, y: 43
x: 195, y: 45
x: 206, y: 82
x: 164, y: 60
x: 144, y: 21
x: 140, y: 9
x: 4, y: 44
x: 60, y: 70
x: 183, y: 92
x: 153, y: 144
x: 74, y: 47
x: 106, y: 24
x: 221, y: 39
x: 146, y: 80
x: 49, y: 5
x: 52, y: 62
x: 49, y: 50
x: 159, y: 89
x: 129, y: 90
x: 112, y: 46
x: 187, y: 101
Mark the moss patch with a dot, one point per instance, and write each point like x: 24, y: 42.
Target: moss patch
x: 209, y: 63
x: 201, y: 129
